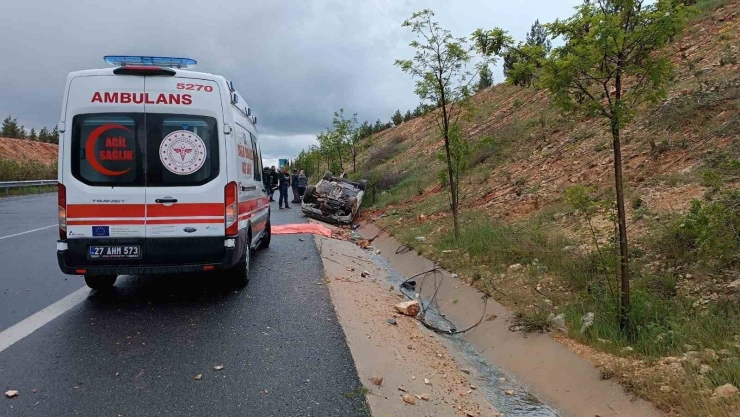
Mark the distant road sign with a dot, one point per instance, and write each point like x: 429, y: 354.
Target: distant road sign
x: 282, y: 163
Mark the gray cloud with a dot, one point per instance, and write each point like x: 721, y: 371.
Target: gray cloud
x: 294, y: 62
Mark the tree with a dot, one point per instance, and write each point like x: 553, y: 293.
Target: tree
x: 485, y: 78
x: 523, y: 62
x: 397, y: 118
x: 439, y: 67
x: 32, y: 136
x: 22, y: 133
x: 612, y: 63
x: 538, y: 36
x: 407, y: 116
x: 378, y: 127
x: 10, y: 128
x: 346, y: 129
x: 54, y: 136
x: 44, y: 134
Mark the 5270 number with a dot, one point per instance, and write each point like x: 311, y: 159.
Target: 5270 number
x: 195, y: 87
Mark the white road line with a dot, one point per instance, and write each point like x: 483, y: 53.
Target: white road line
x: 28, y: 231
x: 22, y: 329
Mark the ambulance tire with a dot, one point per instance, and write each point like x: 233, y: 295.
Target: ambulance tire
x: 266, y: 237
x: 100, y: 282
x: 239, y: 274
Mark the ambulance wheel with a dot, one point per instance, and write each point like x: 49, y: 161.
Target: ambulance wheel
x: 265, y: 241
x: 239, y: 274
x: 100, y: 282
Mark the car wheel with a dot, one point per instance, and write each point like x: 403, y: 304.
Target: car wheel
x: 265, y: 241
x: 239, y: 274
x: 100, y: 282
x: 327, y: 175
x: 362, y: 185
x: 308, y: 194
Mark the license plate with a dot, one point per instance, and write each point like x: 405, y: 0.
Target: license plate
x: 115, y: 252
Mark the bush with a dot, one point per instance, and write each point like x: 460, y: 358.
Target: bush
x: 11, y: 170
x: 707, y: 232
x: 384, y: 154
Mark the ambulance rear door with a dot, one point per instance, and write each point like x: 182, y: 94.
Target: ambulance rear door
x: 103, y: 168
x: 186, y: 170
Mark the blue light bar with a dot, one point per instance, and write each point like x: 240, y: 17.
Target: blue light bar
x: 160, y: 61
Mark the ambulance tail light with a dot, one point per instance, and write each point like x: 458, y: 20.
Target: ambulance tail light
x: 62, y: 203
x: 231, y: 218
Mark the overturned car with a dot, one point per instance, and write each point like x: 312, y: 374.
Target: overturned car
x: 334, y: 200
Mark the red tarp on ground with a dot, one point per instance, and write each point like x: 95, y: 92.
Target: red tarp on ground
x: 292, y: 229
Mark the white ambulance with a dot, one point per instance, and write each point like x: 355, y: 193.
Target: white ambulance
x: 160, y: 171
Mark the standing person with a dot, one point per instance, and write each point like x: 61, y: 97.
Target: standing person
x: 294, y: 186
x: 274, y: 179
x: 284, y: 185
x: 302, y: 184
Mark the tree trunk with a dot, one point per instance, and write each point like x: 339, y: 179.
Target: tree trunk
x: 354, y: 158
x: 339, y: 153
x: 453, y: 189
x: 622, y: 219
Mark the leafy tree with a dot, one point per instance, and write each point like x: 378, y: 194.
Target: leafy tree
x: 346, y: 129
x: 10, y: 128
x: 612, y: 63
x: 44, y: 134
x: 32, y: 136
x: 378, y: 127
x: 365, y: 129
x: 22, y: 133
x: 485, y: 78
x: 397, y: 118
x: 407, y: 116
x: 439, y: 67
x: 521, y: 63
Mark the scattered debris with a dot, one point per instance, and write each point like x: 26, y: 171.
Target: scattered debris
x: 218, y: 367
x: 427, y: 381
x: 409, y: 308
x: 365, y: 274
x: 351, y: 268
x: 408, y: 399
x: 465, y: 371
x: 11, y: 393
x: 558, y: 322
x: 301, y: 239
x: 377, y: 252
x: 424, y: 397
x: 198, y: 377
x: 402, y: 388
x: 509, y: 392
x: 263, y: 391
x: 363, y: 243
x: 392, y: 322
x: 377, y: 380
x: 409, y: 285
x: 586, y: 321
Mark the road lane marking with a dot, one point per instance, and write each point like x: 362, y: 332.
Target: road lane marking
x: 28, y: 231
x: 29, y: 325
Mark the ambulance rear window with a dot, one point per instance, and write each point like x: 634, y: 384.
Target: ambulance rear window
x: 107, y: 149
x: 181, y: 150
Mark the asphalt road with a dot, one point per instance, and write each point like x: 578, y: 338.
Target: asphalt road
x: 134, y: 351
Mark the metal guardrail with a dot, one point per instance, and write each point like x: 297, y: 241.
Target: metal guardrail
x: 7, y: 185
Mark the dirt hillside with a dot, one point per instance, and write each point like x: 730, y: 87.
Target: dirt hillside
x: 26, y: 150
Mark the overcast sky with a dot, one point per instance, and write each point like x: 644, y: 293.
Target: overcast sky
x: 295, y: 62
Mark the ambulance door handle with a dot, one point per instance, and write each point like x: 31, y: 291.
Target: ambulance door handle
x: 166, y: 200
x: 249, y: 188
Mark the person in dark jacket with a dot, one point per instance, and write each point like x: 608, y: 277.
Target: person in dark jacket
x: 302, y: 184
x: 274, y: 181
x: 284, y: 184
x: 294, y: 186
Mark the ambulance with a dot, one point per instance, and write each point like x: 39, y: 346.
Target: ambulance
x: 160, y: 172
